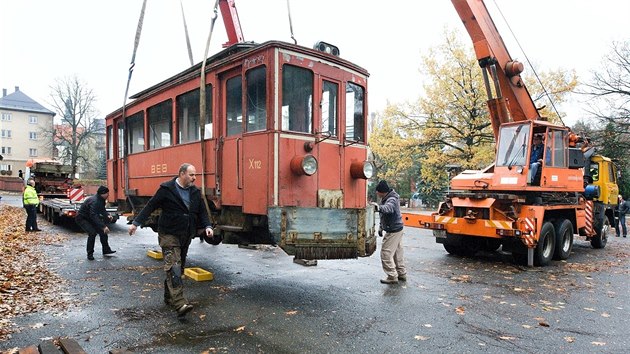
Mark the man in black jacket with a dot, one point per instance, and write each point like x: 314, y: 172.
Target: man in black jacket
x: 183, y: 213
x: 91, y: 218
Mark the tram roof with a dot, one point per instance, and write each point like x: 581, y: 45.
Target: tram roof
x: 233, y: 53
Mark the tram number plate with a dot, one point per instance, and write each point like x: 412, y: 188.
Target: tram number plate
x: 439, y: 233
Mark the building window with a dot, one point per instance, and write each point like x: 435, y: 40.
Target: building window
x: 32, y: 135
x: 32, y: 152
x: 32, y: 119
x: 5, y: 133
x: 160, y: 124
x: 5, y: 150
x: 6, y: 117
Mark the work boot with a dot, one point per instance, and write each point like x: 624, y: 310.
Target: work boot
x: 390, y: 280
x: 402, y: 277
x: 184, y: 309
x: 105, y: 253
x: 90, y: 257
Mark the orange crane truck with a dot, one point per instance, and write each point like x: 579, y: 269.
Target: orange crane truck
x: 534, y: 212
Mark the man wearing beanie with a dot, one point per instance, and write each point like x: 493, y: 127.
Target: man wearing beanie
x: 91, y: 218
x: 391, y: 222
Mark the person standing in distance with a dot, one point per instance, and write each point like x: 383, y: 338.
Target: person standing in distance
x: 622, y: 209
x: 392, y: 257
x: 30, y: 201
x: 183, y: 213
x: 91, y: 218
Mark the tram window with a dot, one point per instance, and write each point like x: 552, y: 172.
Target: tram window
x: 256, y: 99
x: 330, y: 93
x: 160, y: 127
x: 234, y: 106
x: 135, y: 125
x: 188, y: 114
x: 297, y: 99
x: 121, y: 140
x: 110, y: 143
x: 355, y: 119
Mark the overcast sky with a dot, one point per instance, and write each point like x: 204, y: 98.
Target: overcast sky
x: 41, y: 40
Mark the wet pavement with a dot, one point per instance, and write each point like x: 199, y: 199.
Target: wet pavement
x: 260, y: 301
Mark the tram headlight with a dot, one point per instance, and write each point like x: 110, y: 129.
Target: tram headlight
x: 326, y: 48
x: 304, y: 165
x: 362, y: 169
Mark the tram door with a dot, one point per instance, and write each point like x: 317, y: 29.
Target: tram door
x: 255, y: 160
x: 232, y: 148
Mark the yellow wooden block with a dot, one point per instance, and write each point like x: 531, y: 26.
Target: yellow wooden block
x: 198, y: 274
x: 155, y: 254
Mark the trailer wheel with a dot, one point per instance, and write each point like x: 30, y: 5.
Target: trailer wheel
x: 602, y: 228
x: 55, y: 218
x: 546, y: 243
x: 564, y: 239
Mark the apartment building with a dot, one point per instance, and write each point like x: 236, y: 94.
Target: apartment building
x: 23, y: 127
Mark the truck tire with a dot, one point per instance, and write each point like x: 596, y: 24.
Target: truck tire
x: 452, y: 249
x: 546, y: 244
x: 564, y: 239
x: 601, y: 237
x: 602, y: 227
x: 56, y: 219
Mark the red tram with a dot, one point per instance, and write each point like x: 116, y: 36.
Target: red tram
x: 283, y: 157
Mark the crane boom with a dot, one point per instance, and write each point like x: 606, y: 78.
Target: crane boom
x: 511, y: 100
x: 232, y: 23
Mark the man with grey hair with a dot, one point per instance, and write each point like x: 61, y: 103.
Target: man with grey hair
x: 183, y: 214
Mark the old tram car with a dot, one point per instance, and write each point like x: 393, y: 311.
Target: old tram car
x: 284, y: 157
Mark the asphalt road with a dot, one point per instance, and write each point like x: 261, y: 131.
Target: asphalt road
x: 260, y: 301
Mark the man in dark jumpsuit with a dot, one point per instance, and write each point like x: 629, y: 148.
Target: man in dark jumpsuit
x: 183, y: 213
x: 91, y: 218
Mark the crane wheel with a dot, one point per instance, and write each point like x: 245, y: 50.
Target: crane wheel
x: 602, y: 227
x: 546, y: 244
x: 564, y: 239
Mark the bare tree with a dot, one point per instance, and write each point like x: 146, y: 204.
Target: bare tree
x: 610, y: 89
x: 74, y: 103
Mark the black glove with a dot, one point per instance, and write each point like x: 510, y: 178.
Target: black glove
x: 214, y: 240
